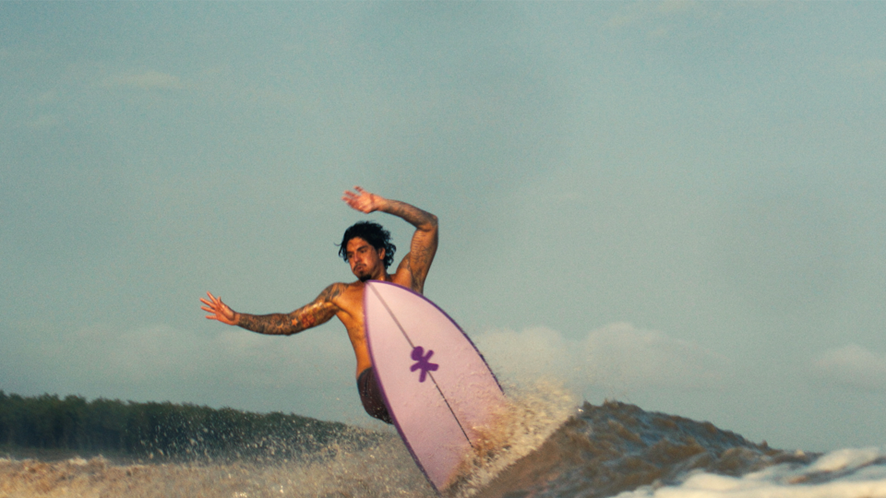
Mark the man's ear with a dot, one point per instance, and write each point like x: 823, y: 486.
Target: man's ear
x: 381, y: 253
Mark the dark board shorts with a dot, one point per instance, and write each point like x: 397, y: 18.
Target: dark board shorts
x: 370, y: 395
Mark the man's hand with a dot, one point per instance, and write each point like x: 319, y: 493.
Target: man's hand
x: 363, y: 200
x: 218, y: 310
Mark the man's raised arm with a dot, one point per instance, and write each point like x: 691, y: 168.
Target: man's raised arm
x: 320, y: 311
x: 424, y: 242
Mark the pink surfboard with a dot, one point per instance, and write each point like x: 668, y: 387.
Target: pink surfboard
x: 437, y: 387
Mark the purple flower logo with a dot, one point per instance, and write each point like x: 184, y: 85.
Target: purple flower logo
x: 423, y: 362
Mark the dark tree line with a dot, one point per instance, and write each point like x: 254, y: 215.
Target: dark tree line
x: 163, y: 430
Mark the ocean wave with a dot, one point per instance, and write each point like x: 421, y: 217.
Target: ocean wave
x: 545, y: 447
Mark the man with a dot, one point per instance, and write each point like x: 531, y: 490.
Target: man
x: 367, y: 248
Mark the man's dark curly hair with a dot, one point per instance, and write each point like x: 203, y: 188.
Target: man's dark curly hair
x: 371, y: 232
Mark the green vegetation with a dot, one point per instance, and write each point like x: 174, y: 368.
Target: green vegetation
x: 164, y: 431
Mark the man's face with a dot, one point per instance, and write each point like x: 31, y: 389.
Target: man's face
x: 366, y: 262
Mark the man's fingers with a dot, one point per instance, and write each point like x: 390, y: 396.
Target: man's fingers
x: 353, y: 195
x: 361, y: 200
x: 213, y: 302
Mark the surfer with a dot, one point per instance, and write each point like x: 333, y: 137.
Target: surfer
x: 367, y: 247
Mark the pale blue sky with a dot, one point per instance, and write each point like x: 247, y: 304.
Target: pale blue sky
x: 680, y: 205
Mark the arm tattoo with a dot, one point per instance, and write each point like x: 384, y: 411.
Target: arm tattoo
x: 422, y: 258
x: 413, y: 215
x: 316, y: 313
x: 424, y: 241
x: 275, y: 324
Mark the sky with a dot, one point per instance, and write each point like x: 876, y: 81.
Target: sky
x: 680, y: 205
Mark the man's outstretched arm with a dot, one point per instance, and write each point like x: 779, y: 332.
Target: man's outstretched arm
x: 424, y: 242
x: 317, y: 312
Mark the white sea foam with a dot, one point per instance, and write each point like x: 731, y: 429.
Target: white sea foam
x: 846, y: 459
x: 846, y: 473
x: 531, y: 415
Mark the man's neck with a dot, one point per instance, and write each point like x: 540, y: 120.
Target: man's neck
x: 384, y: 277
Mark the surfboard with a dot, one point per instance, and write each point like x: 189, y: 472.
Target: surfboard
x: 436, y: 384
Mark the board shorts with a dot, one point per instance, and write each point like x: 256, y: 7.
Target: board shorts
x: 370, y: 395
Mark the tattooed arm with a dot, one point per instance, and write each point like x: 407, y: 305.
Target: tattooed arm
x: 320, y: 311
x: 423, y: 247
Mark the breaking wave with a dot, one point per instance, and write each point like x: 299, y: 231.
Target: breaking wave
x: 544, y: 447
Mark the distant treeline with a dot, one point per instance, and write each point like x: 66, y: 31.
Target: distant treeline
x: 163, y: 430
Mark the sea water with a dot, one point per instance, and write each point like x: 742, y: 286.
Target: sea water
x: 546, y: 445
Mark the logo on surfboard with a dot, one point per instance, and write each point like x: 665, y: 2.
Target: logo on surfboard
x: 423, y: 362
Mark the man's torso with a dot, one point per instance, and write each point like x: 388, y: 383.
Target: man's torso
x: 350, y: 312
